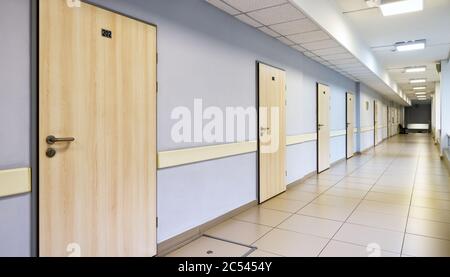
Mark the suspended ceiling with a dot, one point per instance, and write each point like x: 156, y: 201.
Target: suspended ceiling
x: 380, y: 33
x: 282, y: 20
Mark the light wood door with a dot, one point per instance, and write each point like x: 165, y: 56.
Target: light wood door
x: 350, y: 125
x: 375, y: 123
x: 97, y: 84
x: 323, y: 127
x: 272, y: 134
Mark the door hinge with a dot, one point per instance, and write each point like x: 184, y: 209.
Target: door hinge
x: 157, y: 222
x: 157, y: 58
x: 157, y: 86
x: 285, y: 173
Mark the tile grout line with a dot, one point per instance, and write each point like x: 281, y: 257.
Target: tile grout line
x: 356, y: 207
x: 410, y: 204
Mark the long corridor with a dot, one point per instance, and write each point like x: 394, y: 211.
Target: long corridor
x: 391, y: 201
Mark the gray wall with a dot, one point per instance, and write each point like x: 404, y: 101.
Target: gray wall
x: 418, y: 113
x: 14, y: 121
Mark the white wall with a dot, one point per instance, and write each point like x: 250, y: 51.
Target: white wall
x: 445, y: 104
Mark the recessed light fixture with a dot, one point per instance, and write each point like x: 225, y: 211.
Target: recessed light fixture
x: 419, y: 88
x: 410, y: 45
x: 417, y: 81
x: 415, y: 69
x: 421, y: 93
x: 393, y: 7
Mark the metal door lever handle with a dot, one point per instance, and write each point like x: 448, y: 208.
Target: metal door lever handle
x: 52, y: 140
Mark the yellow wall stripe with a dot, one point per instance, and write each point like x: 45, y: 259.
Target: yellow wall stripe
x: 291, y: 140
x: 15, y: 181
x: 198, y: 154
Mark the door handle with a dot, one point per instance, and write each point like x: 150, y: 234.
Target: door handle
x: 52, y: 140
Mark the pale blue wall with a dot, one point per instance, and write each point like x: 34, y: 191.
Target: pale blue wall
x: 14, y: 121
x: 203, y: 53
x: 445, y: 104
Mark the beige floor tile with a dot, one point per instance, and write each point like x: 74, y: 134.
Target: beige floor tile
x: 355, y: 186
x: 431, y: 194
x: 291, y: 244
x: 431, y: 203
x: 419, y: 246
x: 293, y: 194
x: 329, y: 177
x: 342, y: 249
x: 428, y: 228
x: 317, y: 189
x: 327, y: 212
x: 238, y: 231
x: 367, y: 181
x: 263, y: 216
x: 347, y: 193
x: 336, y: 201
x: 393, y: 190
x: 284, y: 205
x: 431, y: 187
x: 361, y: 235
x: 311, y: 226
x: 384, y: 208
x: 379, y: 220
x: 388, y: 198
x: 322, y: 182
x: 262, y: 254
x: 208, y: 247
x: 430, y: 214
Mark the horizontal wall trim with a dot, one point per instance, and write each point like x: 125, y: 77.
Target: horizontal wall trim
x: 199, y: 154
x: 15, y: 181
x: 185, y: 156
x: 297, y: 139
x: 339, y: 133
x: 367, y: 129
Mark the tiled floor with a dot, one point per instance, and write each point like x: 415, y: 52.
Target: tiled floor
x: 392, y: 201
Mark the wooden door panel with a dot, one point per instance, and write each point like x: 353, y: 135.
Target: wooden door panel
x: 98, y: 193
x: 272, y: 134
x: 323, y: 130
x: 350, y: 124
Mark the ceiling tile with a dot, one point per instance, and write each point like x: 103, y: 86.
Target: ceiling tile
x: 251, y: 5
x: 295, y: 27
x: 323, y: 44
x: 224, y: 7
x: 298, y: 48
x: 278, y: 14
x: 330, y: 51
x: 246, y: 19
x: 344, y: 61
x: 269, y: 32
x: 309, y: 37
x: 337, y: 56
x: 286, y: 41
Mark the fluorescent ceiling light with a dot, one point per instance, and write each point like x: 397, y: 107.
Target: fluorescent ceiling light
x: 417, y: 81
x: 419, y: 88
x: 415, y: 69
x: 410, y: 45
x: 421, y: 93
x: 390, y: 7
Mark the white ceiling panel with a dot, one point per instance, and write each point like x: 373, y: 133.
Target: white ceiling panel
x: 246, y: 19
x: 295, y: 27
x: 309, y: 37
x: 269, y: 32
x: 299, y: 48
x: 278, y: 14
x: 251, y: 5
x: 286, y: 41
x: 345, y: 61
x: 330, y: 51
x: 223, y: 6
x: 323, y: 44
x: 338, y: 56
